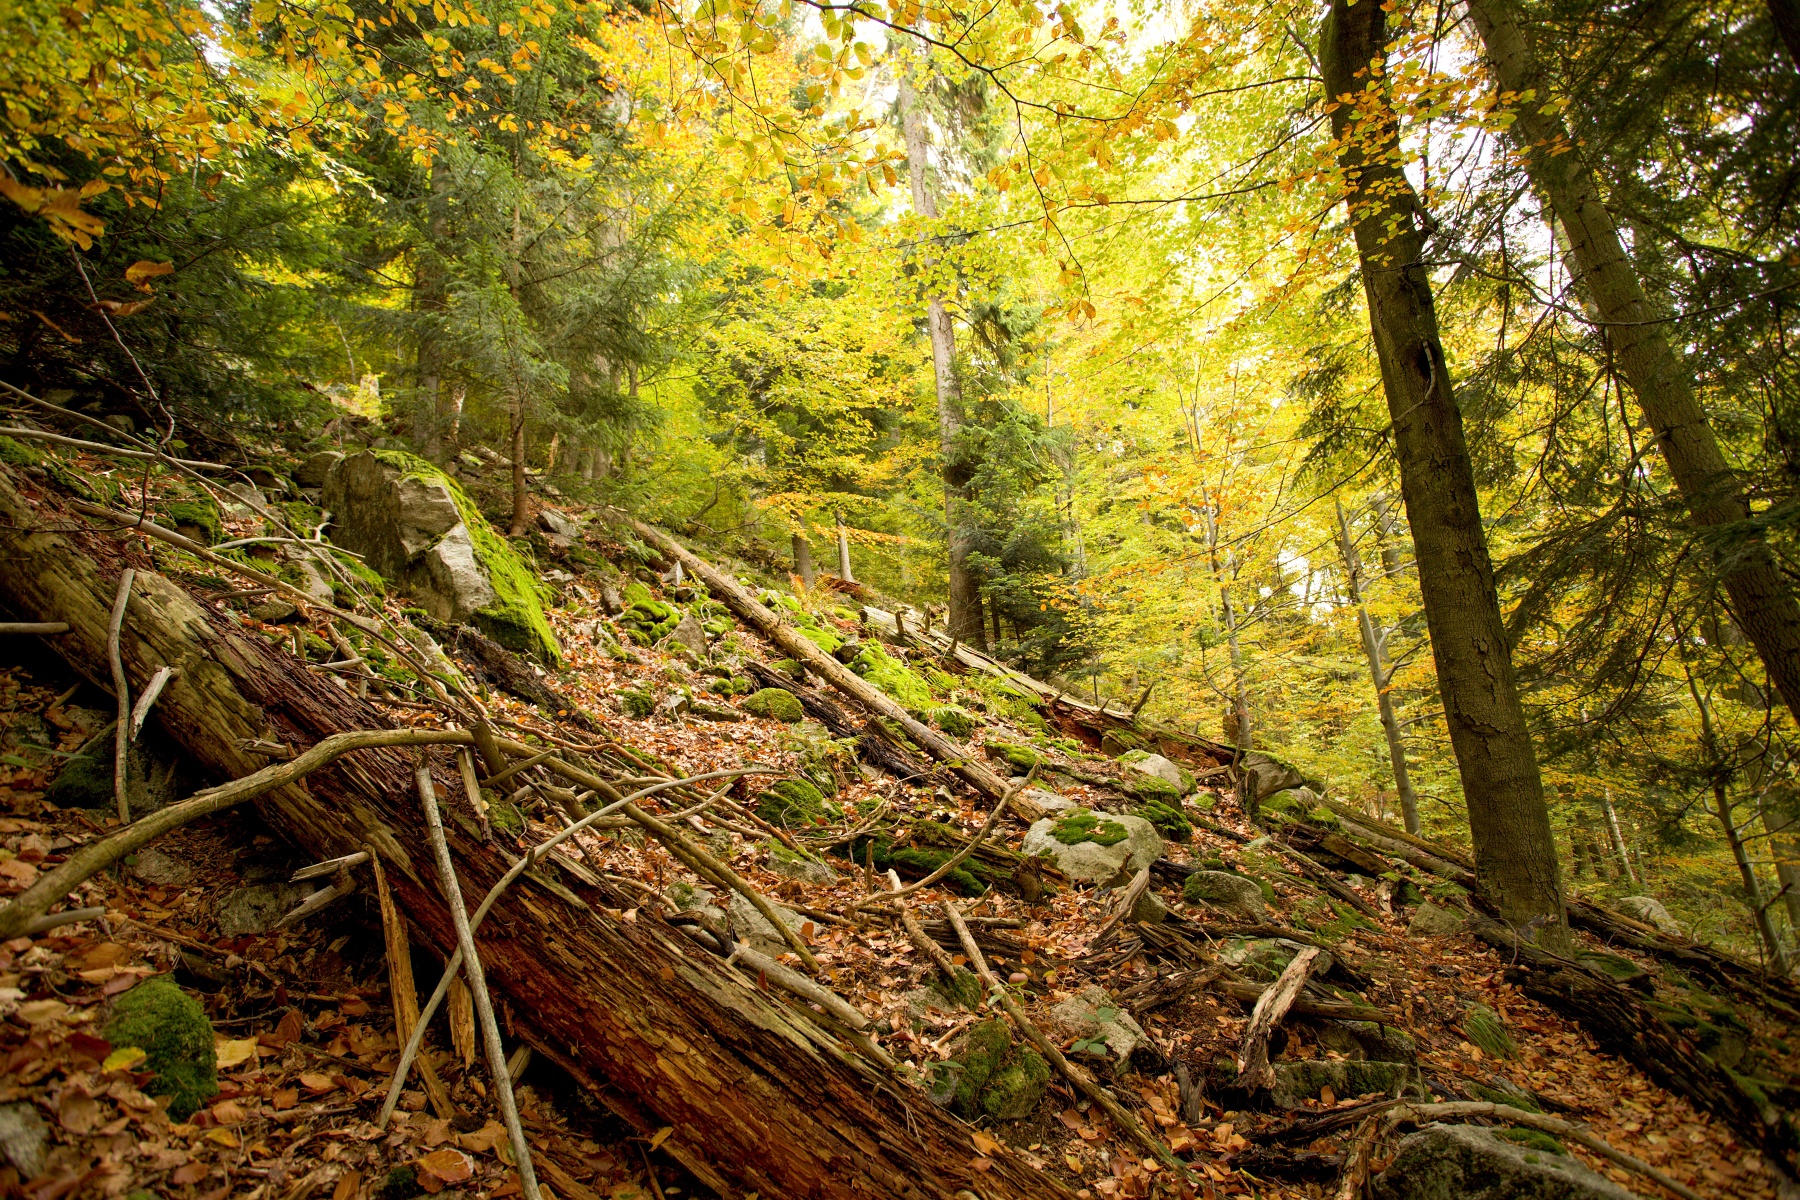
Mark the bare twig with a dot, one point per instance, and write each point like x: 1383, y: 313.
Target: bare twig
x: 121, y: 693
x: 1139, y: 884
x: 484, y: 1005
x: 69, y: 917
x: 1080, y: 1078
x: 34, y: 627
x: 152, y: 690
x: 1356, y: 1163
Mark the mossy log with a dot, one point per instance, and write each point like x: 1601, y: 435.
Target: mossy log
x: 1624, y: 1025
x: 759, y: 1098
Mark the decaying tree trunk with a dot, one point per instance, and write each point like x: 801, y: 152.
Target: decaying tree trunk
x: 760, y: 1099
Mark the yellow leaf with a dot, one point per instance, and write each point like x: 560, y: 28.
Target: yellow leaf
x: 661, y: 1136
x: 224, y: 1137
x: 144, y: 269
x: 984, y: 1144
x: 233, y: 1052
x: 123, y: 1059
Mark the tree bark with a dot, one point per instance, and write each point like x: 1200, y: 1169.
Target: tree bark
x: 1762, y: 604
x: 1515, y: 850
x: 803, y: 562
x: 759, y: 1098
x: 965, y: 590
x: 1242, y: 735
x: 1380, y: 675
x: 843, y: 549
x: 1615, y: 837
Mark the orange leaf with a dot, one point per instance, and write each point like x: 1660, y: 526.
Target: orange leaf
x: 144, y: 269
x: 449, y: 1164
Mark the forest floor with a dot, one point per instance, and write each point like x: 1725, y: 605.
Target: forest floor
x: 305, y: 1032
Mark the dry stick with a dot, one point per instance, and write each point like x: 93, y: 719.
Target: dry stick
x: 1554, y: 1125
x: 501, y: 777
x: 1356, y: 1165
x: 691, y: 854
x: 950, y: 864
x: 1139, y: 883
x: 122, y: 693
x: 34, y: 627
x: 1332, y: 883
x: 1250, y: 993
x: 46, y: 924
x: 152, y: 690
x: 806, y: 989
x: 919, y: 938
x: 1075, y: 1074
x: 330, y: 866
x: 40, y: 435
x: 1253, y: 1060
x: 484, y: 1005
x: 526, y: 861
x: 95, y: 857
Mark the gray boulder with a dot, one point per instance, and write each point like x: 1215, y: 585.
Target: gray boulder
x: 1158, y: 767
x: 558, y: 524
x: 1266, y: 958
x: 1237, y: 893
x: 1432, y: 921
x: 1092, y: 1015
x: 162, y: 869
x: 1650, y: 911
x: 312, y: 472
x: 22, y: 1137
x: 1149, y: 909
x: 754, y: 928
x: 689, y: 633
x: 1272, y: 774
x: 1090, y: 861
x: 1463, y: 1162
x: 1365, y: 1041
x: 408, y: 529
x: 1297, y: 1082
x: 257, y: 907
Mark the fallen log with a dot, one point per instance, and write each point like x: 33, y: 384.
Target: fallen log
x: 759, y: 1098
x: 753, y: 613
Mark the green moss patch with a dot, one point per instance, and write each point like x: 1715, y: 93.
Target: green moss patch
x: 1019, y: 758
x: 1483, y: 1026
x: 1117, y: 741
x: 1532, y: 1139
x: 1081, y: 825
x: 777, y: 704
x: 992, y: 1076
x: 637, y: 704
x: 17, y: 454
x: 893, y: 677
x: 969, y: 878
x: 201, y: 514
x: 1167, y: 818
x: 795, y: 802
x: 171, y: 1028
x: 958, y: 722
x: 517, y: 619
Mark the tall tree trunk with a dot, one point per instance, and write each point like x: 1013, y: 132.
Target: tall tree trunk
x: 521, y: 496
x: 1783, y: 846
x: 1723, y: 810
x: 1786, y: 16
x: 965, y: 590
x: 1515, y: 851
x: 1762, y: 604
x: 843, y: 549
x: 803, y: 563
x: 759, y: 1097
x: 1380, y: 675
x: 433, y: 426
x: 1616, y: 838
x: 1241, y: 736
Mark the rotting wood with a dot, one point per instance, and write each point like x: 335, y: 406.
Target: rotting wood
x: 1253, y: 1067
x: 401, y: 988
x: 760, y: 1100
x: 122, y: 694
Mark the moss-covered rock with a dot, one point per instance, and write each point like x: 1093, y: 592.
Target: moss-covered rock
x: 171, y: 1028
x: 1020, y: 758
x: 1168, y: 819
x: 1118, y: 741
x: 1535, y: 1139
x: 954, y: 720
x: 1082, y: 825
x: 1151, y: 790
x: 637, y: 703
x: 15, y: 453
x: 825, y: 638
x: 777, y: 704
x: 1483, y: 1026
x: 792, y: 668
x: 198, y: 518
x: 647, y: 622
x: 735, y: 685
x: 892, y: 676
x: 964, y: 990
x: 994, y: 1077
x: 795, y: 802
x: 968, y: 878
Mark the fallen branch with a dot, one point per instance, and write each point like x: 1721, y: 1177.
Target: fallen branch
x: 1080, y: 1078
x: 401, y: 988
x: 1139, y: 883
x: 69, y: 917
x: 1250, y: 993
x: 40, y: 435
x: 95, y: 857
x: 121, y: 693
x: 34, y: 627
x: 1253, y: 1060
x: 484, y: 1003
x: 152, y: 690
x: 1421, y: 1113
x: 1356, y: 1163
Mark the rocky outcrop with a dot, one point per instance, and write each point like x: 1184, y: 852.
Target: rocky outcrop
x: 1463, y: 1162
x: 1158, y: 767
x: 413, y: 525
x: 1297, y: 1082
x: 1095, y: 1019
x: 1236, y: 893
x: 1431, y: 921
